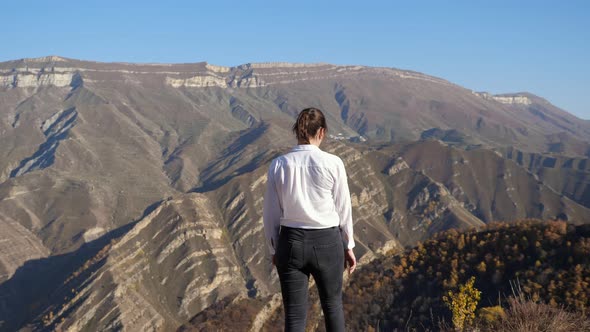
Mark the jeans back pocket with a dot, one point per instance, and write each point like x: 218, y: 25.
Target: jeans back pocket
x: 328, y: 255
x: 290, y: 254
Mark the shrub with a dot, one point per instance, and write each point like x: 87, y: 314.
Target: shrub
x: 463, y: 304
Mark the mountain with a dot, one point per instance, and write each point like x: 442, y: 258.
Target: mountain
x: 131, y: 194
x: 546, y: 262
x: 567, y: 175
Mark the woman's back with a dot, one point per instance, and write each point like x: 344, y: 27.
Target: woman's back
x: 305, y: 179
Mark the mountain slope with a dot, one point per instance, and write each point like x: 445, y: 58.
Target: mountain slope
x: 404, y: 290
x: 549, y: 262
x: 175, y: 261
x: 92, y: 151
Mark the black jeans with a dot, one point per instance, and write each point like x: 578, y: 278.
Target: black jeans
x: 318, y: 252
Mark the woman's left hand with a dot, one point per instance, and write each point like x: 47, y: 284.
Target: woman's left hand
x: 349, y: 260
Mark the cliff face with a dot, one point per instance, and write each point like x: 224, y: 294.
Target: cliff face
x: 92, y: 152
x: 61, y: 72
x: 175, y: 261
x: 506, y: 99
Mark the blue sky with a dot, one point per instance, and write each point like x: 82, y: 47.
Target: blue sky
x: 541, y: 47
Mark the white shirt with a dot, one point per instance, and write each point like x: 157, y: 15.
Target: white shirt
x: 307, y: 188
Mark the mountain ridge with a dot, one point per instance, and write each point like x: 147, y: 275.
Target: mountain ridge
x: 269, y: 64
x: 123, y: 151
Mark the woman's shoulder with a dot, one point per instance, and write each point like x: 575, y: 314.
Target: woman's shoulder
x: 319, y: 158
x: 332, y: 158
x: 280, y: 161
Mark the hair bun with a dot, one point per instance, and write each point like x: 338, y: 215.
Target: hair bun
x: 308, y: 122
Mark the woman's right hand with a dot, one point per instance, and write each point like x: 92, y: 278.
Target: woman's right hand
x: 349, y: 260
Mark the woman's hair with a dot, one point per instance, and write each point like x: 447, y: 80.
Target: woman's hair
x: 309, y: 121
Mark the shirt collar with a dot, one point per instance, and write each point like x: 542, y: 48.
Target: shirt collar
x: 305, y: 147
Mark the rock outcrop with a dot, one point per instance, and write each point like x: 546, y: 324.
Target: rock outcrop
x: 506, y: 99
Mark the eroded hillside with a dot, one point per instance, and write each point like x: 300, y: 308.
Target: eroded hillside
x: 131, y: 194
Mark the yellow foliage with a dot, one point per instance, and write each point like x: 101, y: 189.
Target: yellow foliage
x: 463, y: 304
x: 481, y: 267
x: 491, y: 314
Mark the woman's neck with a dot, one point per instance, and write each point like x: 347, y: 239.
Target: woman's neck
x: 311, y: 142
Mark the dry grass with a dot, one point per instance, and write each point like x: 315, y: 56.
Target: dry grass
x: 525, y: 315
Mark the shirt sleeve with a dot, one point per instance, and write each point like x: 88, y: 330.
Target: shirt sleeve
x: 272, y: 210
x: 343, y: 205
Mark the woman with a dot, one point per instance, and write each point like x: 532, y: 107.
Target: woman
x: 308, y: 223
